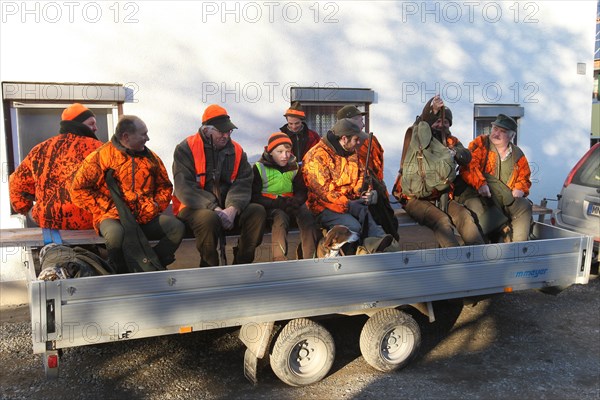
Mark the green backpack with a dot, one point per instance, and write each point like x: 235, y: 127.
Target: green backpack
x: 428, y: 166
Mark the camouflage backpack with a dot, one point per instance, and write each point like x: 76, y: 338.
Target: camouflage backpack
x: 428, y: 166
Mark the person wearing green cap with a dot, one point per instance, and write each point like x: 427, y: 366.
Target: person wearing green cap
x: 500, y: 171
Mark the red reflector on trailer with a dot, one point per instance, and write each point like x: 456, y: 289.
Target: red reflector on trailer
x: 53, y: 361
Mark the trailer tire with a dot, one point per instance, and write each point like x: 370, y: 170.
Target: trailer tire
x: 303, y: 353
x: 389, y: 340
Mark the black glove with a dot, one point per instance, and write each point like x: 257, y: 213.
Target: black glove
x: 280, y: 202
x: 292, y: 206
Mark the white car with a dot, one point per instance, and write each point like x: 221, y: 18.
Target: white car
x: 579, y: 200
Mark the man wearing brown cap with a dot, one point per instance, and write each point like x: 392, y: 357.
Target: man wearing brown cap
x: 334, y: 180
x: 303, y: 139
x: 500, y: 171
x: 213, y: 188
x: 40, y: 181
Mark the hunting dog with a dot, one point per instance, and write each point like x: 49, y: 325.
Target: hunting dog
x: 331, y: 244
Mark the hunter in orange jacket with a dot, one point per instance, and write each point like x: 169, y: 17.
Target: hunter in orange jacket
x: 332, y: 180
x: 145, y: 190
x: 499, y: 171
x: 40, y: 183
x: 481, y: 148
x: 142, y: 178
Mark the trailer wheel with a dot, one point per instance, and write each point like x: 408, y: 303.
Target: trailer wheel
x: 389, y: 340
x: 303, y: 353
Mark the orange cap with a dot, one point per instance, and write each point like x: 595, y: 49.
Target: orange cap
x: 217, y: 116
x: 213, y: 111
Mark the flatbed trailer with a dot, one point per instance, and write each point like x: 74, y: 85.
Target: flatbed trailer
x: 276, y: 303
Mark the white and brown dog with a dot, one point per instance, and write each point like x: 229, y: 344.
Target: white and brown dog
x: 330, y: 245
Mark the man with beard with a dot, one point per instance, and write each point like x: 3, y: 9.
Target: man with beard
x: 437, y: 210
x: 213, y: 189
x: 334, y: 179
x: 303, y: 139
x: 40, y: 183
x: 279, y: 187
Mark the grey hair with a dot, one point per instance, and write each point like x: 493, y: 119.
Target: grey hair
x: 127, y: 123
x: 206, y: 127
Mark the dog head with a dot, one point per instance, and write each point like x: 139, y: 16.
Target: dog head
x: 333, y: 241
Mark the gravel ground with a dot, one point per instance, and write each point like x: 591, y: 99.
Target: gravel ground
x: 520, y: 345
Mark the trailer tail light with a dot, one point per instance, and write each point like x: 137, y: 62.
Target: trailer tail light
x: 53, y: 361
x: 578, y: 165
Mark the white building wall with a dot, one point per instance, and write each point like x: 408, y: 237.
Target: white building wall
x: 179, y: 57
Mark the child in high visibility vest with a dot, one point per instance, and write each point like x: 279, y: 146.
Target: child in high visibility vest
x: 279, y: 187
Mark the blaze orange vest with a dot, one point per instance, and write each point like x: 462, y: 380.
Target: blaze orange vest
x: 197, y: 147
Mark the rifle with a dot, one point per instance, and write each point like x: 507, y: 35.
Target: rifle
x: 217, y: 192
x: 367, y: 182
x: 444, y: 129
x: 140, y: 256
x: 444, y: 199
x: 367, y: 186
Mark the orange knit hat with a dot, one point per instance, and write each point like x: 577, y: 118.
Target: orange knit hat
x: 295, y: 110
x: 76, y: 112
x: 276, y: 139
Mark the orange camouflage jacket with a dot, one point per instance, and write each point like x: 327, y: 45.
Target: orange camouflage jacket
x: 473, y: 173
x: 141, y: 176
x: 40, y: 183
x: 332, y: 180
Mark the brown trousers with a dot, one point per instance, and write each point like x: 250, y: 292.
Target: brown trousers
x: 442, y: 224
x: 207, y: 228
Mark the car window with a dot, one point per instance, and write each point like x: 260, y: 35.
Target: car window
x: 589, y: 173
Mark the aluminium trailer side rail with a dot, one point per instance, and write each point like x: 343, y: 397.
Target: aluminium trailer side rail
x: 83, y: 311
